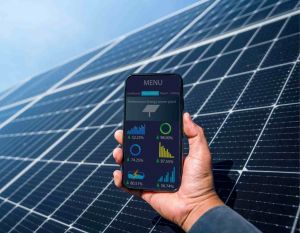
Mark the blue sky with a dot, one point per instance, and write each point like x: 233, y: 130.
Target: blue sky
x: 37, y: 35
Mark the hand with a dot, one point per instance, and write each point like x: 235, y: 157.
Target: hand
x: 196, y: 194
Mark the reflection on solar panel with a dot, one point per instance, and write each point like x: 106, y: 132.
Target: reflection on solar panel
x: 240, y: 64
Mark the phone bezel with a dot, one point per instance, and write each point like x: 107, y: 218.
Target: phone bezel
x: 181, y: 107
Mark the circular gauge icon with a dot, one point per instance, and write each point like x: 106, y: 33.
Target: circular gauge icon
x: 165, y: 128
x: 135, y: 149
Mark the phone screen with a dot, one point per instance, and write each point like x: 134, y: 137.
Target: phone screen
x: 152, y: 147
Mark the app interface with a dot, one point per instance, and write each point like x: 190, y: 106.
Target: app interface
x: 152, y: 153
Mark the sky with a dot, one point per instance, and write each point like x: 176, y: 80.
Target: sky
x: 38, y: 35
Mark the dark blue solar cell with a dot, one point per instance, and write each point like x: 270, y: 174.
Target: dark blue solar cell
x: 52, y: 226
x: 267, y: 32
x: 195, y: 54
x: 44, y: 81
x: 166, y: 226
x: 30, y: 180
x: 195, y: 99
x: 12, y: 219
x: 7, y: 113
x: 138, y: 211
x: 54, y: 198
x: 103, y: 210
x: 240, y: 40
x: 221, y: 66
x: 117, y: 117
x: 292, y: 26
x: 238, y: 23
x: 268, y: 200
x: 250, y: 58
x: 196, y: 71
x: 181, y: 70
x: 104, y: 148
x: 284, y: 50
x: 284, y: 7
x: 210, y: 124
x: 226, y: 94
x: 279, y: 149
x: 85, y: 195
x: 5, y: 207
x: 269, y: 3
x: 224, y: 182
x: 30, y: 223
x: 251, y: 7
x: 291, y: 92
x: 216, y: 48
x: 37, y: 193
x: 264, y: 87
x: 233, y: 144
x: 13, y: 169
x: 260, y: 15
x: 18, y: 184
x: 176, y: 60
x: 156, y: 65
x: 90, y: 144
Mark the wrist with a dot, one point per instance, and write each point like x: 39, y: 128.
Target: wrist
x: 199, y: 209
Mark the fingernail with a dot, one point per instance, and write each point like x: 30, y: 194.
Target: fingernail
x: 188, y: 115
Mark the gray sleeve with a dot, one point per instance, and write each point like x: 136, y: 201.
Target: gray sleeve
x: 222, y: 219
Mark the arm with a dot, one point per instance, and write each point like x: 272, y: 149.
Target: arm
x: 222, y: 219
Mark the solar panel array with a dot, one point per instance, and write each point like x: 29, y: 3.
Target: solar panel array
x: 240, y: 64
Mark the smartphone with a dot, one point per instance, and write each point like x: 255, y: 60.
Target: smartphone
x: 152, y: 139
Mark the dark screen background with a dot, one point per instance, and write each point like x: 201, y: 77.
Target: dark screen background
x: 152, y: 143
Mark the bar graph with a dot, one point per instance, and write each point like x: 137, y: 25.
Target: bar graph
x: 169, y: 177
x: 137, y: 130
x: 163, y: 152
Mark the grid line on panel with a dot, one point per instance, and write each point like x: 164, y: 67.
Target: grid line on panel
x: 13, y: 89
x: 241, y: 73
x: 296, y: 221
x: 63, y: 136
x: 115, y: 165
x: 55, y: 161
x: 66, y: 199
x: 186, y: 48
x: 265, y: 124
x: 108, y: 225
x: 123, y: 37
x: 246, y: 86
x: 16, y: 205
x: 215, y: 2
x: 70, y: 75
x: 222, y: 78
x: 56, y: 169
x: 91, y: 204
x: 173, y: 52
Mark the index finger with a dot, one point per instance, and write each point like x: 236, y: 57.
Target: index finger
x: 119, y: 136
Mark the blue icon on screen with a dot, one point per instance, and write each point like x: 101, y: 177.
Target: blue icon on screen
x: 135, y: 149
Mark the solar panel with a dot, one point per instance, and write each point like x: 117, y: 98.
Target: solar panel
x: 240, y: 64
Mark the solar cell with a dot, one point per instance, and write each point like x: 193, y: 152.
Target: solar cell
x: 264, y: 87
x: 237, y: 137
x: 43, y: 82
x: 240, y: 64
x: 225, y: 96
x: 269, y: 200
x: 278, y: 149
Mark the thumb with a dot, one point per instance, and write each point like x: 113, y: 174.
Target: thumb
x: 197, y: 142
